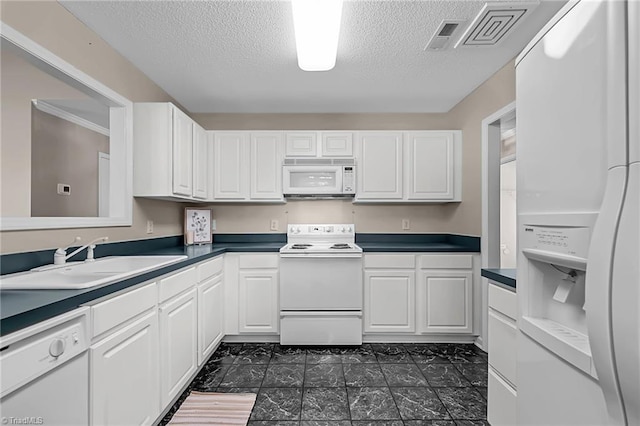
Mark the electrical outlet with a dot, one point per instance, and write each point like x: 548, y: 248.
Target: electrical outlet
x: 274, y: 224
x: 213, y: 224
x: 406, y: 225
x: 149, y: 227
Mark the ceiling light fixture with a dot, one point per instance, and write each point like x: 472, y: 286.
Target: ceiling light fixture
x: 317, y: 27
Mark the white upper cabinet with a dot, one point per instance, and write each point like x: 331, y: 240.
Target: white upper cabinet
x: 336, y: 144
x: 248, y: 166
x: 266, y: 166
x: 319, y: 144
x: 420, y: 166
x: 182, y: 153
x: 201, y: 166
x: 169, y: 153
x: 432, y: 160
x: 231, y: 166
x: 379, y: 166
x: 301, y: 144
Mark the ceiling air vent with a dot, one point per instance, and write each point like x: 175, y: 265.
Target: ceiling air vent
x: 442, y: 38
x: 494, y: 22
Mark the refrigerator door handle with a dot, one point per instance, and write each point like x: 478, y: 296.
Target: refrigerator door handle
x: 598, y: 293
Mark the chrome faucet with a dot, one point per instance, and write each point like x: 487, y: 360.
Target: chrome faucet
x: 60, y: 256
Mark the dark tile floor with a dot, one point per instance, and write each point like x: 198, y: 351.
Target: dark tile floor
x: 373, y: 384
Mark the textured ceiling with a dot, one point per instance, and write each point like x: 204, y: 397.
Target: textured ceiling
x: 240, y: 56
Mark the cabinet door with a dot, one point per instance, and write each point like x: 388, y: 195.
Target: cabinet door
x: 182, y: 153
x: 389, y: 301
x: 178, y: 344
x: 431, y: 160
x: 266, y: 166
x: 125, y: 376
x: 502, y: 332
x: 231, y: 166
x: 210, y: 316
x: 379, y: 166
x: 258, y: 301
x: 301, y: 144
x: 201, y: 163
x: 444, y: 301
x: 336, y: 144
x: 502, y: 401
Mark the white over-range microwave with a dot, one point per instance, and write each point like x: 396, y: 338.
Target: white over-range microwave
x: 328, y: 177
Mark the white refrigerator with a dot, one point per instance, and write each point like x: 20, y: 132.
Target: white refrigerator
x: 578, y: 203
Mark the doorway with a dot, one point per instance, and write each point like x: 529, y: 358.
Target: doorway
x: 498, y: 244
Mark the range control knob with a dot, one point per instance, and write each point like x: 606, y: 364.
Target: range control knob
x: 56, y: 348
x: 343, y: 229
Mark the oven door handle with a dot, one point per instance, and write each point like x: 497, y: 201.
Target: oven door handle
x: 320, y: 314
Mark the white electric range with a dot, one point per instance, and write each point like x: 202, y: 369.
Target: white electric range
x: 321, y: 286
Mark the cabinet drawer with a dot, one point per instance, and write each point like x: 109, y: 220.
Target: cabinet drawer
x: 304, y: 328
x: 258, y: 261
x: 502, y: 402
x: 502, y: 350
x: 117, y: 310
x: 503, y: 301
x: 390, y: 261
x: 446, y: 261
x: 210, y: 268
x: 177, y: 283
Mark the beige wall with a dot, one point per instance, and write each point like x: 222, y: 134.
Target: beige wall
x: 64, y: 152
x: 20, y: 82
x: 52, y: 26
x: 459, y: 218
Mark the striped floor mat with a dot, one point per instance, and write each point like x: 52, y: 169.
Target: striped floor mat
x: 210, y: 408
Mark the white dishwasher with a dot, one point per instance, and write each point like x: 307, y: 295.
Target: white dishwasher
x: 45, y: 372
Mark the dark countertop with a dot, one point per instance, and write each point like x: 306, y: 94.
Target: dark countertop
x: 413, y: 247
x: 417, y: 243
x: 507, y: 277
x: 22, y: 308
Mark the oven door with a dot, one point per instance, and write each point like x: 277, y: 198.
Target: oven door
x: 328, y: 283
x: 312, y: 180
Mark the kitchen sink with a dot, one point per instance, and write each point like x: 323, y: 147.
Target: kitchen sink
x: 86, y: 274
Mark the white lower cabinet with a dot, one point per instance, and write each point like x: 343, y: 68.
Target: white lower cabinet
x: 502, y: 332
x: 444, y: 301
x: 210, y: 316
x: 125, y: 375
x: 389, y: 304
x: 178, y: 343
x: 418, y: 293
x: 148, y: 342
x: 501, y: 409
x: 258, y: 297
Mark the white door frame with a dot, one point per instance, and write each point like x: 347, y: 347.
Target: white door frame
x: 490, y: 242
x: 104, y: 177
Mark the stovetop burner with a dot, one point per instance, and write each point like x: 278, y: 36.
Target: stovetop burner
x: 301, y: 246
x: 340, y: 246
x: 321, y: 240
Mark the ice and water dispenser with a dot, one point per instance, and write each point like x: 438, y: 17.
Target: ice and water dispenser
x: 551, y: 284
